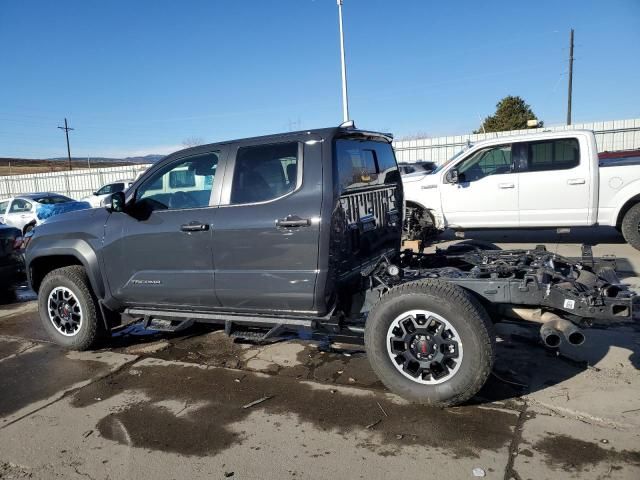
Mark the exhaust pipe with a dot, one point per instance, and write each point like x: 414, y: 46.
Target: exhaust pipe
x: 550, y: 336
x: 553, y: 327
x: 570, y: 332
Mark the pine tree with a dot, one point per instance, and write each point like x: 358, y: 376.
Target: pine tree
x: 512, y: 113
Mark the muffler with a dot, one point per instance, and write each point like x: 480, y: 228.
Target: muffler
x: 553, y: 327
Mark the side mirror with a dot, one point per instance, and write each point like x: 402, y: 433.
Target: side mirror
x: 454, y: 176
x: 114, y: 202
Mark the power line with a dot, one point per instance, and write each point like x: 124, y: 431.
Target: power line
x: 66, y: 129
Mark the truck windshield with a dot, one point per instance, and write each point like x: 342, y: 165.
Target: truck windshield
x: 364, y: 163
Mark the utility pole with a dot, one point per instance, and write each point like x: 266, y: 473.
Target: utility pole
x: 66, y: 129
x: 345, y: 101
x: 570, y: 78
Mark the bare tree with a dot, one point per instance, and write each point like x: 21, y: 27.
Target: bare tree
x: 415, y: 136
x: 192, y: 141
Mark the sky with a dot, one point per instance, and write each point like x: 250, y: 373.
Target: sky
x: 140, y: 77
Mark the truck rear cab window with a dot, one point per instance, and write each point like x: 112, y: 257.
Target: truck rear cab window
x: 364, y: 163
x: 559, y: 154
x: 265, y: 172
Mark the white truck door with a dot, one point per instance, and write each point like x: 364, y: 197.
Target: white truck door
x: 486, y: 194
x: 555, y: 186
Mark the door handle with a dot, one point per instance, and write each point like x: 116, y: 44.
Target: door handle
x: 292, y: 221
x: 194, y: 227
x: 506, y: 185
x: 576, y: 181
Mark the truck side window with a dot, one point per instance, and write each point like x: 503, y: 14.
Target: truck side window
x: 184, y: 184
x: 490, y: 161
x: 553, y: 155
x: 265, y: 172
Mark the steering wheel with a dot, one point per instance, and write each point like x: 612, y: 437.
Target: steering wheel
x: 182, y: 200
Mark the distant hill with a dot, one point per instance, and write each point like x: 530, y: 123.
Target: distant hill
x: 20, y: 166
x: 151, y: 158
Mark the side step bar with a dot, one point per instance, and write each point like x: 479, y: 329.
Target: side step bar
x: 274, y: 326
x: 211, y: 317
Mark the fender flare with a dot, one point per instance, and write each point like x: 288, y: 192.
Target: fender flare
x: 622, y: 208
x: 77, y: 248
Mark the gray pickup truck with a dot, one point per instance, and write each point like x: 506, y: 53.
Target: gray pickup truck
x: 302, y: 232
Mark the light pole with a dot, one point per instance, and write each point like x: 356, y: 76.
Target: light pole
x: 345, y: 100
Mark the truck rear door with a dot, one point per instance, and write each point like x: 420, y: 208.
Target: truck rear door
x: 265, y: 238
x: 556, y: 183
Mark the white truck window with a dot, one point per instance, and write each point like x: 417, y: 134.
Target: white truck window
x: 553, y: 155
x: 489, y: 161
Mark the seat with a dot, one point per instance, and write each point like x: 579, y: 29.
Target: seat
x: 250, y: 188
x: 292, y: 173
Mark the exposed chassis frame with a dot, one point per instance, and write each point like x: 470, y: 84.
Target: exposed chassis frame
x: 599, y: 297
x: 502, y: 278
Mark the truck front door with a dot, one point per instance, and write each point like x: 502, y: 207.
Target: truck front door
x: 486, y: 194
x: 265, y: 240
x: 158, y: 253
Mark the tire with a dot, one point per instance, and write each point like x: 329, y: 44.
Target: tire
x: 84, y: 327
x: 466, y: 318
x: 28, y: 228
x: 631, y: 226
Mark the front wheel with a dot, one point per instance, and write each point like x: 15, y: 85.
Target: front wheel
x: 68, y: 309
x: 430, y: 342
x: 631, y: 226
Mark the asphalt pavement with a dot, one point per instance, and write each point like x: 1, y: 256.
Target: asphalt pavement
x: 198, y: 405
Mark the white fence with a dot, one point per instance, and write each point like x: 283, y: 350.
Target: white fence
x: 75, y: 183
x: 610, y: 136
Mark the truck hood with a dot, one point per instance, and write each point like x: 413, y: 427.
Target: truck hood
x: 415, y: 177
x: 74, y: 220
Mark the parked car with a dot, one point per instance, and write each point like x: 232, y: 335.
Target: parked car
x: 11, y: 260
x: 541, y: 180
x: 301, y: 231
x: 417, y: 167
x: 96, y: 198
x: 26, y: 211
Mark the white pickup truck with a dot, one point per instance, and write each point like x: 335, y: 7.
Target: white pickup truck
x: 541, y: 180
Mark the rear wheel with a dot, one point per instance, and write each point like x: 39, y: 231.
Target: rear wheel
x: 631, y: 226
x: 430, y: 342
x: 68, y: 309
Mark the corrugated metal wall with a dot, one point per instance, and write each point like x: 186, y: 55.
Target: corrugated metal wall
x: 75, y: 183
x: 610, y: 136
